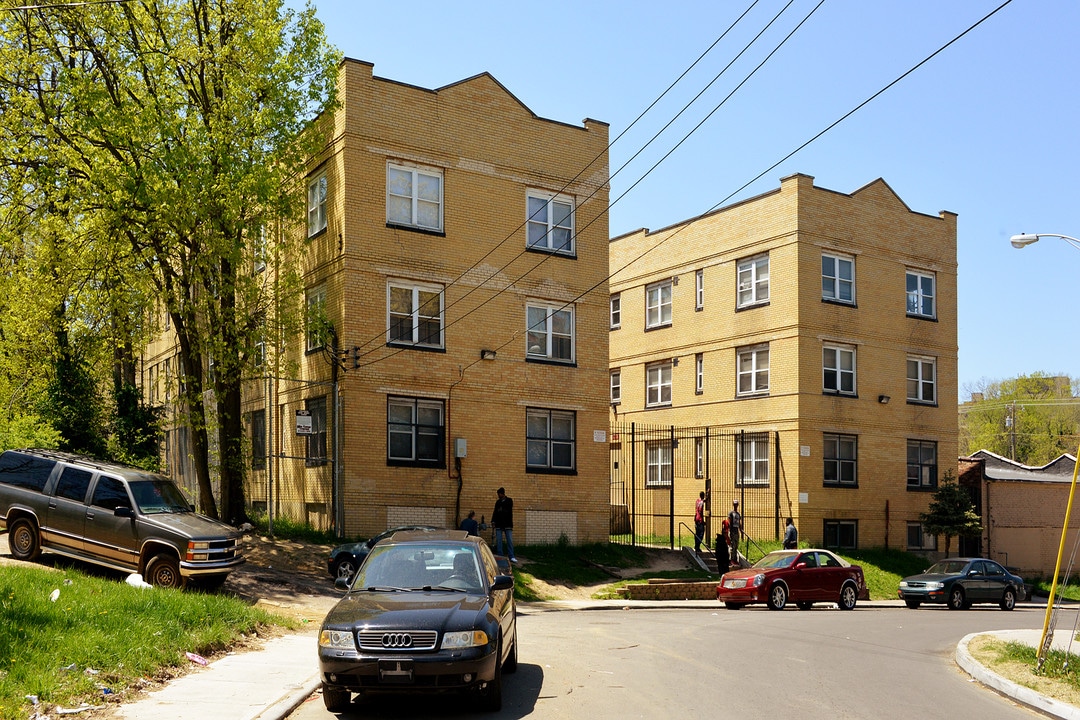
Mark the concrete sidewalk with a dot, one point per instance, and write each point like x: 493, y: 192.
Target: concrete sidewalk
x: 271, y: 682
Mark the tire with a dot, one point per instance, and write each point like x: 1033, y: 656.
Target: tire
x: 1008, y: 600
x: 778, y: 595
x: 345, y: 568
x: 849, y: 597
x: 913, y: 604
x: 164, y: 571
x: 491, y: 697
x: 511, y: 664
x: 957, y: 600
x: 733, y: 606
x: 336, y: 699
x: 23, y: 540
x: 804, y: 605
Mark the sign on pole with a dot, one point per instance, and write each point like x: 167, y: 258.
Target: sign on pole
x: 303, y: 422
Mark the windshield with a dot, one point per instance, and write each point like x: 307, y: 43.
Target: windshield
x: 158, y: 495
x: 776, y: 560
x: 947, y: 567
x: 421, y: 566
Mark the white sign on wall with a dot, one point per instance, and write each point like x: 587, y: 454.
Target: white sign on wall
x: 303, y: 422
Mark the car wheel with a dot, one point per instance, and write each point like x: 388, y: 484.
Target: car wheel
x: 804, y: 605
x: 164, y: 571
x: 1008, y: 600
x: 491, y: 700
x: 913, y: 604
x: 344, y: 567
x: 511, y: 664
x: 23, y: 540
x: 957, y: 601
x: 848, y: 597
x: 336, y: 699
x: 777, y: 597
x: 733, y: 606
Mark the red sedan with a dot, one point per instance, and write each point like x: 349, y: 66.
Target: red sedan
x: 799, y: 576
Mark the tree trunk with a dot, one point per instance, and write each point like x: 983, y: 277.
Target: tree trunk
x: 196, y: 411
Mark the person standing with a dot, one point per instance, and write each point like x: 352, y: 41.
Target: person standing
x: 502, y: 519
x: 470, y: 525
x: 734, y: 531
x: 699, y: 521
x: 791, y: 536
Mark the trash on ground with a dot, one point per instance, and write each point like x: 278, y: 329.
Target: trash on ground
x: 197, y: 659
x: 136, y: 580
x: 55, y: 595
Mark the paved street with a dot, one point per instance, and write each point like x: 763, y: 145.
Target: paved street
x: 880, y: 663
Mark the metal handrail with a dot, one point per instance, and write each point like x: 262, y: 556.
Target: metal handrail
x: 704, y: 540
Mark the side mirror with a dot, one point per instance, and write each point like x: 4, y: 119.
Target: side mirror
x: 503, y: 582
x: 342, y: 583
x: 800, y: 566
x: 123, y: 511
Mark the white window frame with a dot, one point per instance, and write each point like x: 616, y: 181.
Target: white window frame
x: 753, y: 281
x: 658, y: 304
x: 616, y: 387
x: 544, y: 220
x: 699, y: 457
x: 415, y: 318
x: 922, y: 380
x: 920, y: 298
x: 316, y: 204
x: 413, y: 199
x: 837, y: 280
x: 753, y: 460
x: 658, y: 458
x: 752, y: 365
x: 699, y: 290
x: 658, y: 384
x: 834, y: 442
x: 546, y: 330
x: 315, y: 298
x: 837, y: 369
x: 549, y: 439
x: 615, y: 304
x: 699, y: 373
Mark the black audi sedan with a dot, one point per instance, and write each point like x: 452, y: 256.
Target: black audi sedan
x: 427, y: 612
x: 959, y: 582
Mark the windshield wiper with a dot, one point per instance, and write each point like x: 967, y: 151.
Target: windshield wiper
x: 448, y: 588
x: 386, y: 588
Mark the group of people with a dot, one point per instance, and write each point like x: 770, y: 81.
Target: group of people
x: 731, y: 529
x: 502, y: 521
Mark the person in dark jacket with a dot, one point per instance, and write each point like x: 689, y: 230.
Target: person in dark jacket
x: 502, y: 519
x: 470, y: 525
x: 791, y: 536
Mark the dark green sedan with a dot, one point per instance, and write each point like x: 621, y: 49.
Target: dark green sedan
x: 960, y: 582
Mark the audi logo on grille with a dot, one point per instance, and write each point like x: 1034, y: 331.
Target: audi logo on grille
x: 397, y: 640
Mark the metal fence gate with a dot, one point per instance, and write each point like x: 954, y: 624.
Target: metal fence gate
x: 658, y: 471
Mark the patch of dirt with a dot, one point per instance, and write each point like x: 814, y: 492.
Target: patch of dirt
x: 658, y: 561
x: 286, y: 577
x: 990, y: 652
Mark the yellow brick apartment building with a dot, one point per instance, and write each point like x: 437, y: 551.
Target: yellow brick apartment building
x: 456, y: 253
x: 816, y: 332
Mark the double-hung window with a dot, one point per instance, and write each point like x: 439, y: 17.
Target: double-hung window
x: 841, y: 460
x: 837, y: 278
x: 658, y: 304
x: 753, y: 281
x: 921, y: 380
x: 699, y: 290
x: 841, y: 534
x: 414, y: 314
x: 919, y: 539
x: 616, y: 387
x: 415, y: 432
x: 920, y: 294
x: 657, y: 463
x: 549, y: 332
x: 414, y: 197
x: 316, y: 204
x: 699, y: 373
x: 318, y: 326
x: 921, y: 465
x: 616, y: 311
x: 316, y: 441
x: 753, y: 370
x: 658, y: 384
x: 753, y: 459
x: 838, y: 366
x: 550, y: 224
x: 550, y: 440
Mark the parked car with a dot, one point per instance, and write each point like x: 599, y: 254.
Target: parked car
x: 959, y: 582
x: 427, y: 612
x: 799, y: 576
x: 346, y: 559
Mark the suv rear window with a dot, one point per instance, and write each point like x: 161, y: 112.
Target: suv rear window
x: 25, y: 471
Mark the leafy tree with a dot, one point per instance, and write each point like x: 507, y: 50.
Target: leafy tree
x: 951, y: 512
x: 1032, y: 419
x: 170, y: 134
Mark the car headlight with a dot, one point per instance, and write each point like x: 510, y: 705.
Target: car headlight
x: 464, y: 639
x: 903, y: 584
x: 337, y: 639
x: 758, y: 580
x: 934, y: 585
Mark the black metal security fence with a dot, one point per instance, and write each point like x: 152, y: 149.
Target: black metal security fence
x: 658, y: 471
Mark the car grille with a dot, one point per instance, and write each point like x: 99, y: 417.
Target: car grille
x: 403, y: 640
x: 916, y: 584
x: 734, y: 584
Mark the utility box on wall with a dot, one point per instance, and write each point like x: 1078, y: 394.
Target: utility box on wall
x: 459, y: 447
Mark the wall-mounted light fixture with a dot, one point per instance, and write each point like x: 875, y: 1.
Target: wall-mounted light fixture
x: 487, y: 354
x: 883, y: 399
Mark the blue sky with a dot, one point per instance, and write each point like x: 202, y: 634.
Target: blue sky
x: 988, y: 129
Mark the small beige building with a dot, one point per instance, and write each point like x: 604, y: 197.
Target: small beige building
x: 814, y: 333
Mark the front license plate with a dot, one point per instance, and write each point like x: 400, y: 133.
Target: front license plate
x: 396, y: 672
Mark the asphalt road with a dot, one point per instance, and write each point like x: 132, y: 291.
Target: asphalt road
x: 752, y: 663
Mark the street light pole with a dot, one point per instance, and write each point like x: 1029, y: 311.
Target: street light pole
x: 1019, y: 242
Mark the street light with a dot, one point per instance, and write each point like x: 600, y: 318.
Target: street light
x: 1024, y: 239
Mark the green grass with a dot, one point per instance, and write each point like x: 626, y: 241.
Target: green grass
x: 111, y: 633
x: 287, y: 529
x: 1066, y: 589
x: 1060, y: 666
